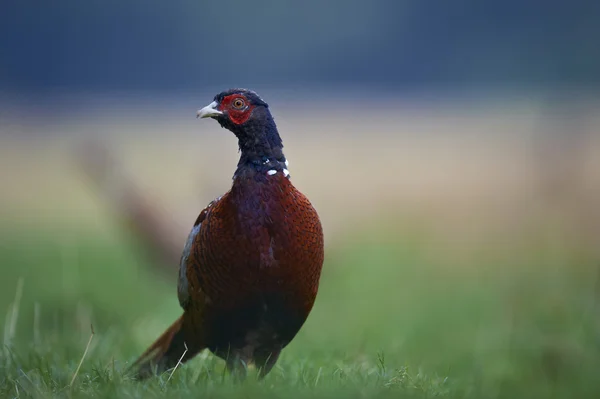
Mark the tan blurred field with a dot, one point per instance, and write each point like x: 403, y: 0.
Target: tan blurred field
x: 464, y: 170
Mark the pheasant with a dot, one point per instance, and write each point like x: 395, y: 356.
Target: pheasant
x: 250, y: 269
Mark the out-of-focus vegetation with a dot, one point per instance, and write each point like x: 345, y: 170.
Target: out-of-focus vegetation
x: 189, y: 45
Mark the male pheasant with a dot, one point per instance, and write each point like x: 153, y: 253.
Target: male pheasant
x: 250, y: 269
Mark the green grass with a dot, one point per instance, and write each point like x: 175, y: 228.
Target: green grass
x: 395, y: 317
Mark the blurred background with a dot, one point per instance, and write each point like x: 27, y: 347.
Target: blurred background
x: 451, y: 149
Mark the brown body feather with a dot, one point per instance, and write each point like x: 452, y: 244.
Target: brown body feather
x: 251, y: 277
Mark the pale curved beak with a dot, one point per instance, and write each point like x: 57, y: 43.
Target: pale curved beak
x: 209, y: 110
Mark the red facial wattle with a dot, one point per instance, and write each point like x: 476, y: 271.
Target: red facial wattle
x: 237, y: 116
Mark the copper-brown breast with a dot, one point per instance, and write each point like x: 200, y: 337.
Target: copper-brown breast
x: 261, y: 238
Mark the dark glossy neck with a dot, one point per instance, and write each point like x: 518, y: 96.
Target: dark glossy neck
x: 260, y: 146
x: 260, y: 152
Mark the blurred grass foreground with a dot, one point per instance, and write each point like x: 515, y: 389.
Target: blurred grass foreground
x: 462, y: 249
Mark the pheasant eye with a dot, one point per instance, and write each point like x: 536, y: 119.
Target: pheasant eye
x: 238, y: 103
